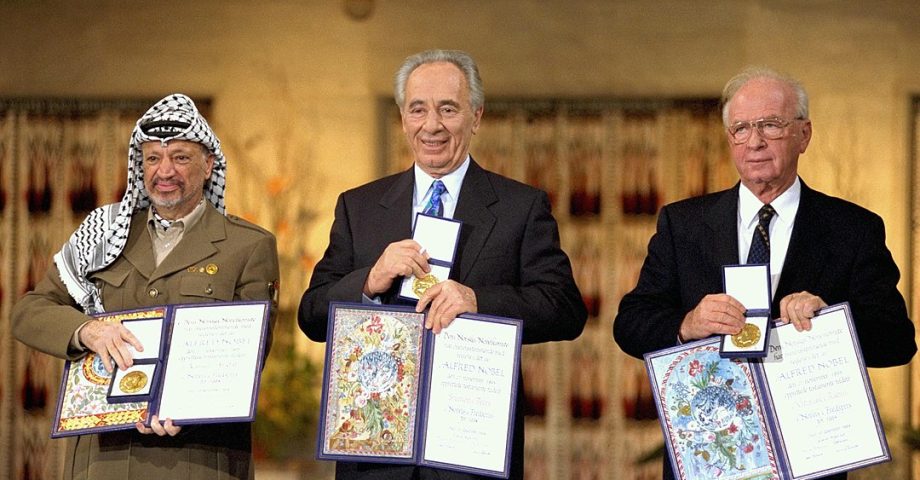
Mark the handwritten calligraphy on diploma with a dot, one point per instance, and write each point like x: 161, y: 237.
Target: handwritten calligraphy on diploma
x: 820, y: 400
x: 469, y: 402
x: 212, y: 360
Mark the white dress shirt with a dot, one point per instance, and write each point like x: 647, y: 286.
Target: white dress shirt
x: 423, y: 186
x: 786, y: 206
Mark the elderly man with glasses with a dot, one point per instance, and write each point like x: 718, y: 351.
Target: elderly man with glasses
x: 821, y: 250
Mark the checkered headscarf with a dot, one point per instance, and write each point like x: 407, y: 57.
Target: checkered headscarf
x: 101, y: 238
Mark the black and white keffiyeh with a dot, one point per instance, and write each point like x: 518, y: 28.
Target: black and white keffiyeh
x: 101, y: 238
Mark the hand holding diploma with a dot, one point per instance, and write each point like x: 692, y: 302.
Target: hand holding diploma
x: 160, y: 428
x: 799, y: 308
x: 448, y: 299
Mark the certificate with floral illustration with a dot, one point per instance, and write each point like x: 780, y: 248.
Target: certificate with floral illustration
x: 82, y: 405
x: 805, y: 411
x: 200, y: 363
x: 393, y: 392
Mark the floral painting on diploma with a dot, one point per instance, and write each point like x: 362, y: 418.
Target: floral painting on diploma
x: 83, y: 406
x: 715, y: 417
x: 373, y: 383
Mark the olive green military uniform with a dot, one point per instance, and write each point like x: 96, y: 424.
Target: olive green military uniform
x: 220, y: 258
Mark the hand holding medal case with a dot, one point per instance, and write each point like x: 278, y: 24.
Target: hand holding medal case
x: 438, y: 237
x: 83, y: 406
x: 201, y: 363
x: 136, y: 383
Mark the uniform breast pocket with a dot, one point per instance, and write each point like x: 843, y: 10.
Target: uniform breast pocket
x: 206, y: 287
x: 110, y: 283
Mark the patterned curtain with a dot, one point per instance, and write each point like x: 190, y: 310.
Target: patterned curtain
x: 58, y: 160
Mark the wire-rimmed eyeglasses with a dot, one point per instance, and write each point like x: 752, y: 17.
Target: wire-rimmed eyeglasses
x: 771, y: 128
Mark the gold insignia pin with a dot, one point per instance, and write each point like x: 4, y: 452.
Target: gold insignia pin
x: 211, y: 269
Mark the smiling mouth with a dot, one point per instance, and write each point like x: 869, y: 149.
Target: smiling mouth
x: 433, y: 143
x: 166, y: 186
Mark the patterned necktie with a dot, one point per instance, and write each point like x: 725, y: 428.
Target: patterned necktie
x: 760, y: 243
x: 435, y: 207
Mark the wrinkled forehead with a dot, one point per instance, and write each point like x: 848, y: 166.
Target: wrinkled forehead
x: 761, y: 98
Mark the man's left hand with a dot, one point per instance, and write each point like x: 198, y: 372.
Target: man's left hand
x: 161, y: 429
x: 799, y: 308
x: 448, y: 299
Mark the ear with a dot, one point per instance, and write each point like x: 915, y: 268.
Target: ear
x: 209, y: 162
x: 477, y: 118
x: 805, y: 134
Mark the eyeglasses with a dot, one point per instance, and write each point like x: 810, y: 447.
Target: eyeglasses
x: 772, y: 128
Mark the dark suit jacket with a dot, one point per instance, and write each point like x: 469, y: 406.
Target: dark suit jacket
x: 837, y: 251
x: 508, y: 254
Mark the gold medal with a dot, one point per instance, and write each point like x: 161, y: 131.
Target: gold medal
x: 749, y: 336
x: 133, y: 382
x: 421, y: 284
x: 211, y: 269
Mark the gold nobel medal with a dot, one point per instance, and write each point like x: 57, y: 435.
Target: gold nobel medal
x: 749, y: 336
x: 133, y: 382
x: 421, y: 284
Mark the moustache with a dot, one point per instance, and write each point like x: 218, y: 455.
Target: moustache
x: 172, y: 181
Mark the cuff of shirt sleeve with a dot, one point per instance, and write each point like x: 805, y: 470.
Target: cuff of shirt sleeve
x: 376, y: 300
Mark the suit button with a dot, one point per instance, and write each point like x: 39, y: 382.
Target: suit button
x: 208, y: 290
x: 153, y: 293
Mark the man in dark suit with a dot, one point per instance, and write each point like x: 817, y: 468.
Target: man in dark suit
x: 821, y: 250
x: 508, y: 260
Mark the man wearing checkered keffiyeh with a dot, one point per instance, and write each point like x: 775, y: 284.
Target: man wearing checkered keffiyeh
x: 168, y: 241
x: 101, y: 237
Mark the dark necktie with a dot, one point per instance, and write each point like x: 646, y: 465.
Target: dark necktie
x: 435, y: 207
x: 760, y: 243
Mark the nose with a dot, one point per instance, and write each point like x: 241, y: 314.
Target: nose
x: 432, y: 121
x: 166, y: 167
x: 756, y: 140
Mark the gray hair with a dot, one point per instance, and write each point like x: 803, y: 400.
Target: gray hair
x: 462, y: 60
x: 763, y: 73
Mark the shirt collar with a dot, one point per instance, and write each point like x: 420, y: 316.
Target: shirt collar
x: 185, y: 222
x: 452, y: 181
x: 786, y: 204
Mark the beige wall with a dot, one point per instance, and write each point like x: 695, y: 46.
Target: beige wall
x: 295, y: 83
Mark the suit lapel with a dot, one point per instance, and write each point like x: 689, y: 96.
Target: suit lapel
x: 197, y: 244
x: 802, y: 266
x: 722, y: 220
x: 397, y: 205
x: 476, y: 195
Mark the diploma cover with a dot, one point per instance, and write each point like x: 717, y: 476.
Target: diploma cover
x: 806, y: 410
x: 201, y: 363
x: 393, y: 392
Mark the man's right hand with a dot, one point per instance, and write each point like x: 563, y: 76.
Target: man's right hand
x: 715, y: 314
x: 399, y: 259
x: 110, y: 341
